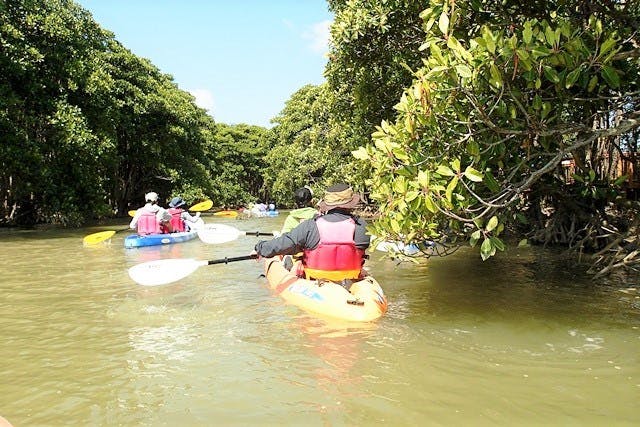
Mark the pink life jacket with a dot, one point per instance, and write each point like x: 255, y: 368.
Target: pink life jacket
x: 336, y: 257
x: 176, y: 221
x: 148, y: 224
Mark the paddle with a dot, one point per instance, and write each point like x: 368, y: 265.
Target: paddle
x: 202, y: 206
x: 221, y: 233
x: 198, y: 207
x: 230, y: 214
x: 164, y: 271
x: 101, y: 236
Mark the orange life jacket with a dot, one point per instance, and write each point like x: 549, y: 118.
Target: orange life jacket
x: 336, y: 257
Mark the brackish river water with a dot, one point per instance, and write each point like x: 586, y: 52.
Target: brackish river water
x: 521, y: 340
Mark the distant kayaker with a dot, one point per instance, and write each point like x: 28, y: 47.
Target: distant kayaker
x: 303, y: 198
x: 151, y: 218
x: 260, y: 206
x: 333, y: 243
x: 181, y: 220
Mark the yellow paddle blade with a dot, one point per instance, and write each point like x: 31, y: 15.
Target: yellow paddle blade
x: 230, y: 214
x: 94, y: 238
x: 132, y: 213
x: 202, y: 206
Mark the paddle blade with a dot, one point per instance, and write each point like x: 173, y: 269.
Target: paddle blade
x: 163, y: 271
x: 197, y: 225
x: 202, y: 206
x: 228, y: 214
x: 214, y: 234
x: 94, y: 238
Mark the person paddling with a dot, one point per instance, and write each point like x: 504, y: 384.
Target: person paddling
x: 151, y: 218
x: 181, y: 220
x: 303, y: 198
x: 333, y: 243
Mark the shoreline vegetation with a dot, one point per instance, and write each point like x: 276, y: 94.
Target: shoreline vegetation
x: 457, y: 126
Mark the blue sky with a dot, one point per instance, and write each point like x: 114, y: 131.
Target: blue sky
x: 241, y: 59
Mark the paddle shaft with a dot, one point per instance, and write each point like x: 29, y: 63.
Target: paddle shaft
x: 256, y: 233
x: 198, y: 207
x: 227, y: 260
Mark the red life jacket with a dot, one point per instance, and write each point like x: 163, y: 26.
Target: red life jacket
x: 336, y: 257
x: 148, y: 224
x: 176, y: 222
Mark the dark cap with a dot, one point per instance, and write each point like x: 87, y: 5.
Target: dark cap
x: 302, y: 196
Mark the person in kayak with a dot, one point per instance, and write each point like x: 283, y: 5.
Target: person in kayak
x: 333, y: 243
x: 259, y: 207
x: 181, y: 220
x: 303, y: 198
x: 151, y: 218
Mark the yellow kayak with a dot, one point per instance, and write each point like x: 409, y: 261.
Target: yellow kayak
x: 363, y: 302
x: 228, y: 214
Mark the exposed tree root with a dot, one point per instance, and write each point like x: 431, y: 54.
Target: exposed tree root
x: 610, y: 237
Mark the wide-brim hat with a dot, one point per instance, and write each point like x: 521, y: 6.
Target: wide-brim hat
x: 176, y: 202
x: 339, y: 196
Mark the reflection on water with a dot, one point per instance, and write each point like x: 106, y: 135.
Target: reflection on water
x: 337, y: 346
x: 525, y: 339
x: 170, y: 343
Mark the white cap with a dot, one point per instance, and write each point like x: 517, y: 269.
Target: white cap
x: 151, y: 197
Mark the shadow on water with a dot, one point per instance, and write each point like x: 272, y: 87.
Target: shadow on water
x: 528, y: 284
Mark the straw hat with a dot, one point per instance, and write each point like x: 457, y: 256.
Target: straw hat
x: 339, y: 196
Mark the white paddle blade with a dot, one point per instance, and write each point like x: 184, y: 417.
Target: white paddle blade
x: 214, y: 234
x: 197, y: 225
x: 407, y: 249
x: 163, y: 271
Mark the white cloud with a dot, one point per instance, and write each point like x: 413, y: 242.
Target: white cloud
x: 319, y: 36
x: 204, y: 99
x: 288, y: 24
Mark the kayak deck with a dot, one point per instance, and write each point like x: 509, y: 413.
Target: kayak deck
x: 136, y: 241
x: 364, y: 302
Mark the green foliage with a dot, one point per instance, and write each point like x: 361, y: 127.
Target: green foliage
x: 156, y: 132
x: 480, y: 134
x: 236, y: 164
x: 374, y: 48
x: 87, y: 126
x: 308, y: 148
x: 47, y: 154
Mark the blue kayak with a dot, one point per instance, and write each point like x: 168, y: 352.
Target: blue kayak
x: 135, y: 241
x: 264, y: 214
